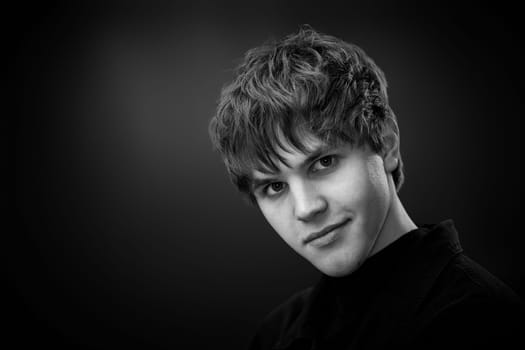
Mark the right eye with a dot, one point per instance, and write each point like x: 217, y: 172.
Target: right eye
x: 274, y: 188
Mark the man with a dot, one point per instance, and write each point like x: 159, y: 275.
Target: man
x: 306, y: 132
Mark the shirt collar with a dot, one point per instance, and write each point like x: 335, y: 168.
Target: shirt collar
x: 403, y: 273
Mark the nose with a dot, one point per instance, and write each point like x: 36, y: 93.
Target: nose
x: 308, y: 201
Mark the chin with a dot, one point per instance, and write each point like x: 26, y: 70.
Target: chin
x: 338, y: 269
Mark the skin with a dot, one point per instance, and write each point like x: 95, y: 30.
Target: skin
x: 347, y: 186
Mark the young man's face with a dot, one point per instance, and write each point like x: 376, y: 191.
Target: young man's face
x: 330, y: 205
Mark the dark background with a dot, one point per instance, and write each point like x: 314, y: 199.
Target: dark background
x: 125, y: 231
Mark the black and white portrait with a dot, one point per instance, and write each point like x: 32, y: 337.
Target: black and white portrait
x: 233, y: 175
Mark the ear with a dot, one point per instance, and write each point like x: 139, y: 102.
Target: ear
x: 391, y: 151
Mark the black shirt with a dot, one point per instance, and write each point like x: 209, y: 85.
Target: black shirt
x: 419, y: 292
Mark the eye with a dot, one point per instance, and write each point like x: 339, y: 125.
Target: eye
x: 324, y: 163
x: 274, y: 188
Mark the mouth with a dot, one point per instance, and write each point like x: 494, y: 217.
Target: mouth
x: 325, y: 231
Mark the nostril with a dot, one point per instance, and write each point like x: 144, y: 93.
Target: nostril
x: 306, y: 211
x: 307, y: 200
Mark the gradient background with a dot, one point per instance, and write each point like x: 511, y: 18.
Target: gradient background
x: 125, y: 231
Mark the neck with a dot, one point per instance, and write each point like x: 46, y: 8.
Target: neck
x: 397, y: 223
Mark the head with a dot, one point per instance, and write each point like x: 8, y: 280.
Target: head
x: 306, y: 133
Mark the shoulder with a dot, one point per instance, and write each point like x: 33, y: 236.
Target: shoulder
x: 283, y: 319
x: 470, y: 307
x: 463, y: 279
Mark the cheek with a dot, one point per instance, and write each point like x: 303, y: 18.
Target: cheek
x: 350, y: 187
x: 362, y: 187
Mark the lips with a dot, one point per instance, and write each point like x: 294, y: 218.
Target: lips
x: 315, y: 235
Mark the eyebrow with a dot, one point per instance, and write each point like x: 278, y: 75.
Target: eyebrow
x: 314, y: 154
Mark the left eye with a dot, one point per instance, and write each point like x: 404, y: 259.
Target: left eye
x: 323, y: 163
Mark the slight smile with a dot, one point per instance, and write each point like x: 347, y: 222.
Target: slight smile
x: 317, y: 235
